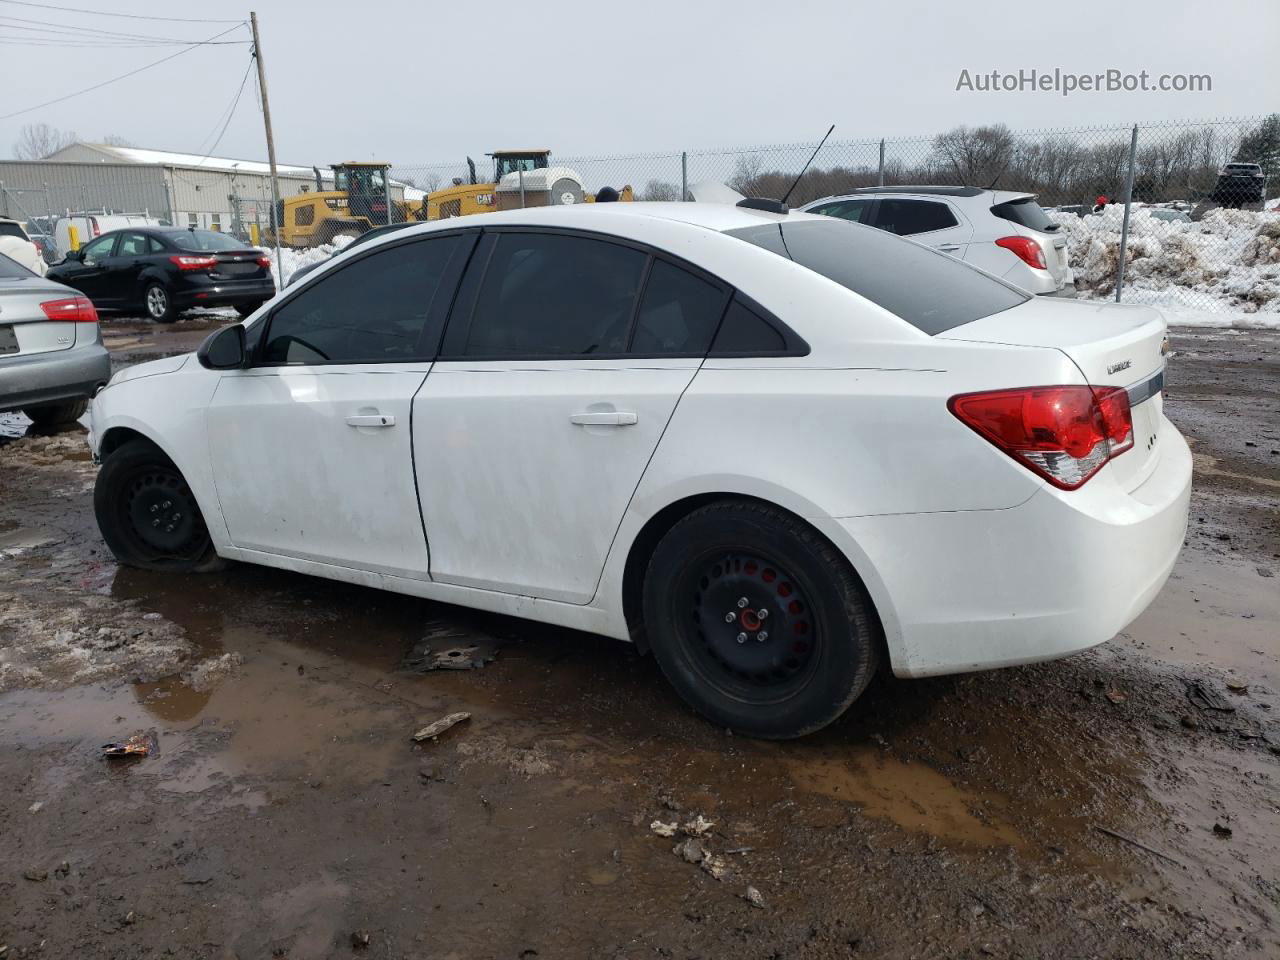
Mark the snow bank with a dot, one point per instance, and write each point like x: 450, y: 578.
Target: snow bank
x: 294, y: 260
x: 1221, y: 271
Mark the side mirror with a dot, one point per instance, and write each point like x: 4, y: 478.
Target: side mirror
x: 75, y: 254
x: 224, y: 349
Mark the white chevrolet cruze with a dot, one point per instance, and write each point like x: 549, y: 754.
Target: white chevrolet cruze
x: 774, y: 449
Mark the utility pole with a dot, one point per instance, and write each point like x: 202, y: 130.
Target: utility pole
x: 271, y: 146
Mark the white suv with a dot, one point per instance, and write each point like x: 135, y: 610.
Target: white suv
x: 999, y: 231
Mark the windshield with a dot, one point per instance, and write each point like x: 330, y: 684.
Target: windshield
x: 1026, y: 213
x: 507, y: 165
x: 931, y: 291
x: 204, y: 240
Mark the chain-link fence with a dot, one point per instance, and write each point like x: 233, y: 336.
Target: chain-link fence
x: 1194, y: 236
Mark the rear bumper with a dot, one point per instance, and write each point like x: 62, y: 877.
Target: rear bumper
x: 50, y: 377
x: 1060, y: 573
x: 1068, y: 291
x: 201, y: 291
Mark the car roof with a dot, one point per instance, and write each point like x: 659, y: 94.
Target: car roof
x: 995, y: 196
x: 937, y: 191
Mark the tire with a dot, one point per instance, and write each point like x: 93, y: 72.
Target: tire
x: 148, y: 515
x: 245, y: 309
x: 821, y: 638
x: 158, y: 303
x: 48, y: 415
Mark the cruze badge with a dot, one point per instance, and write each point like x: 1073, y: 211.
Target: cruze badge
x: 1117, y: 367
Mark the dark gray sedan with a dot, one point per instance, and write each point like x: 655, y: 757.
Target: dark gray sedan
x: 51, y: 355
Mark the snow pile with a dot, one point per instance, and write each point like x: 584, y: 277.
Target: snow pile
x: 294, y: 260
x: 1221, y: 271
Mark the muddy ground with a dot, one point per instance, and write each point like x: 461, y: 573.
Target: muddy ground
x: 1122, y: 803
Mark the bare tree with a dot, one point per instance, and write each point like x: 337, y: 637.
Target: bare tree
x: 746, y: 171
x: 38, y: 140
x: 976, y: 156
x: 660, y: 190
x: 115, y: 140
x: 431, y: 182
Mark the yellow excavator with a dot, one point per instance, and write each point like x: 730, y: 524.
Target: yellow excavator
x: 521, y: 178
x: 356, y: 203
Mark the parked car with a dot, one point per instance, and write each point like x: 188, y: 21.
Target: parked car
x: 51, y: 355
x: 1170, y: 215
x: 165, y: 270
x: 774, y: 450
x: 1005, y: 233
x: 90, y: 225
x: 1239, y: 185
x: 365, y: 237
x: 17, y: 245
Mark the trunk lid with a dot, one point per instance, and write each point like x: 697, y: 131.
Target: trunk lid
x: 24, y: 327
x: 238, y: 265
x: 1112, y: 345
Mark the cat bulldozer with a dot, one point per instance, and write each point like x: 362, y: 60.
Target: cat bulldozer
x: 356, y: 202
x: 521, y: 178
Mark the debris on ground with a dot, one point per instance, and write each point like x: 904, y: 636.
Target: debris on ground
x: 35, y: 807
x: 1204, y: 697
x: 447, y: 646
x: 699, y: 826
x: 663, y: 829
x: 1116, y: 696
x: 208, y: 673
x: 36, y: 876
x: 360, y: 939
x: 1237, y: 686
x: 1221, y: 829
x: 437, y: 727
x: 141, y: 744
x: 693, y: 849
x: 754, y: 897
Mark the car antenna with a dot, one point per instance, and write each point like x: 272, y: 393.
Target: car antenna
x: 806, y: 166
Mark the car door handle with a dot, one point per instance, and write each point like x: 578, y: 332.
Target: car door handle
x: 372, y: 420
x: 948, y: 247
x: 605, y: 418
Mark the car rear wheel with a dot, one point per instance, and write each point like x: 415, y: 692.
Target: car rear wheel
x: 757, y: 621
x: 56, y: 414
x: 245, y: 309
x: 148, y: 515
x: 158, y: 303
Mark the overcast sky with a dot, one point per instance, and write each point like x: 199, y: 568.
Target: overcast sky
x: 416, y: 82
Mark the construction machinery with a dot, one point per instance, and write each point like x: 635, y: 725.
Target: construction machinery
x: 356, y: 202
x: 521, y: 178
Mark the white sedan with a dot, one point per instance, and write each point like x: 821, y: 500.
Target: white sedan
x: 776, y: 450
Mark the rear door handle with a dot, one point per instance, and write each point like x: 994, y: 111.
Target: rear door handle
x: 373, y: 420
x: 605, y: 418
x: 949, y: 247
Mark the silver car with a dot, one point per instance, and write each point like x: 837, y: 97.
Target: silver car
x: 1003, y: 232
x: 51, y: 355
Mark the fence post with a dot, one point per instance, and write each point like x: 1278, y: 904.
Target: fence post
x: 880, y: 178
x: 520, y: 174
x: 1128, y: 203
x: 386, y: 189
x: 684, y: 176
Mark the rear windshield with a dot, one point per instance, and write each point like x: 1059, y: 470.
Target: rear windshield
x: 10, y: 229
x: 12, y: 270
x: 204, y: 240
x: 931, y: 291
x: 1027, y: 213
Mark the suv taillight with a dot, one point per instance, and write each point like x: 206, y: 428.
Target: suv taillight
x: 193, y: 263
x: 264, y: 261
x: 1064, y: 434
x: 1027, y: 250
x: 70, y: 310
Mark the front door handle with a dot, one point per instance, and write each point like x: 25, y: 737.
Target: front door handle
x: 605, y: 418
x: 374, y: 420
x: 949, y: 247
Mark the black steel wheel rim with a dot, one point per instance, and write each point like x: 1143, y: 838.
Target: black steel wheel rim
x: 753, y: 631
x: 160, y: 512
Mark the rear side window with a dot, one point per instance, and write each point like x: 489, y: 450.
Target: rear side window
x: 908, y: 217
x: 678, y: 313
x: 555, y: 295
x: 745, y: 332
x: 931, y: 291
x: 9, y: 228
x: 132, y: 245
x: 377, y: 309
x: 1025, y: 213
x: 12, y: 270
x: 855, y: 210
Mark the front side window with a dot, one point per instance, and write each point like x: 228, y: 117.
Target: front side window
x: 373, y: 310
x: 909, y: 217
x: 553, y: 295
x: 855, y: 210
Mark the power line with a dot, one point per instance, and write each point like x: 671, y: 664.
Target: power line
x: 123, y: 76
x: 122, y: 45
x: 235, y: 102
x: 87, y: 32
x: 105, y: 13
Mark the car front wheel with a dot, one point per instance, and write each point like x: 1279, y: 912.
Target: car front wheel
x: 158, y: 303
x: 148, y: 515
x: 757, y: 621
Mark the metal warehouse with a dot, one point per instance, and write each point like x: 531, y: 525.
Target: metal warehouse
x: 183, y: 188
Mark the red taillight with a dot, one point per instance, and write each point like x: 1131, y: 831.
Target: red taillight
x: 264, y: 261
x: 39, y: 247
x: 70, y: 310
x: 1028, y: 251
x: 97, y: 230
x: 1065, y: 434
x: 193, y: 263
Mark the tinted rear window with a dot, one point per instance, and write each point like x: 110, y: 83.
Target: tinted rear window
x: 1026, y: 213
x: 931, y: 291
x: 204, y: 240
x: 10, y: 229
